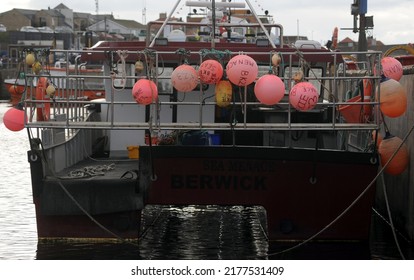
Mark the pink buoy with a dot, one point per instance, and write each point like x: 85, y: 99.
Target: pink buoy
x: 145, y: 91
x: 210, y: 72
x: 303, y: 96
x: 242, y: 70
x: 391, y: 68
x: 269, y: 89
x: 13, y: 119
x: 184, y: 78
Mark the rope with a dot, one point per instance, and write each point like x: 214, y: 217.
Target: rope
x: 90, y: 171
x: 390, y: 218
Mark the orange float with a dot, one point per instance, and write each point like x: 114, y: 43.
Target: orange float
x: 43, y: 109
x: 387, y: 148
x: 393, y: 98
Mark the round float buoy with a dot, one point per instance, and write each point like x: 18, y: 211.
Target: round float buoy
x: 393, y: 98
x: 269, y: 89
x: 276, y: 59
x: 184, y: 78
x: 50, y: 90
x: 13, y: 119
x: 210, y: 71
x: 242, y: 70
x: 139, y: 66
x: 36, y: 68
x: 391, y: 68
x: 387, y: 148
x: 30, y: 59
x: 223, y: 93
x: 298, y: 76
x: 303, y: 96
x: 145, y: 92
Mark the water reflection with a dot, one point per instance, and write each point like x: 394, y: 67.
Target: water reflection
x: 171, y: 233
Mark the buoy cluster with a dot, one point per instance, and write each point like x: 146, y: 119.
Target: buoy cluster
x: 241, y: 70
x: 393, y: 104
x: 14, y: 119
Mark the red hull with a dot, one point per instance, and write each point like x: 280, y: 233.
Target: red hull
x: 116, y: 226
x: 297, y: 207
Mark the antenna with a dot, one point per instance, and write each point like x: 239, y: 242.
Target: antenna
x: 96, y: 6
x: 144, y: 13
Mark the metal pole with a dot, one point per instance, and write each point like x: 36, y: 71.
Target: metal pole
x: 261, y: 24
x: 164, y: 23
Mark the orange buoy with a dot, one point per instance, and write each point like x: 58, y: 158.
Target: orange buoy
x: 387, y: 148
x: 43, y: 109
x: 393, y: 98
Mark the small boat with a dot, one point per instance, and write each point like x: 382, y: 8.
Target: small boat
x: 17, y: 87
x: 197, y: 116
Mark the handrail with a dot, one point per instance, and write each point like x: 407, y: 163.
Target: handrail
x: 151, y: 42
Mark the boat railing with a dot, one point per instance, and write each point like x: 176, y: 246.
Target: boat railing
x: 152, y: 40
x: 72, y: 111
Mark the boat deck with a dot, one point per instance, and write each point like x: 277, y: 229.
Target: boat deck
x: 99, y: 186
x: 101, y: 169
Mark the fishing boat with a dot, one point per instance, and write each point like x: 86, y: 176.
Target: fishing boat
x: 93, y: 89
x: 195, y: 116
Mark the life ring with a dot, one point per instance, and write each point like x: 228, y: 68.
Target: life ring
x: 367, y: 93
x: 42, y: 109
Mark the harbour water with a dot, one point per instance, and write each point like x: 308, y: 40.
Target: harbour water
x: 209, y: 232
